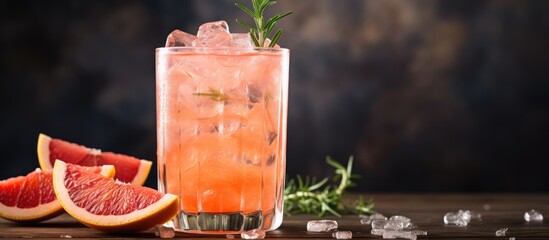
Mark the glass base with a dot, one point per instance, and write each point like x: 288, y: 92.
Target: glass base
x: 222, y: 223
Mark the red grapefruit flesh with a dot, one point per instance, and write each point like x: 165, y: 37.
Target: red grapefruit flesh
x: 128, y: 169
x: 108, y: 205
x: 31, y: 198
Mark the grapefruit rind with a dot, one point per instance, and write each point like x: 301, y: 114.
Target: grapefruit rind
x: 140, y: 220
x: 43, y: 152
x: 35, y: 214
x: 142, y: 172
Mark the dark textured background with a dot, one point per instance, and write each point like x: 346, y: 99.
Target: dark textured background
x: 427, y: 95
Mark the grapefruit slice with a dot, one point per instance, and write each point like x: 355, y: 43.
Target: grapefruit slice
x: 128, y: 169
x: 109, y: 205
x: 31, y: 198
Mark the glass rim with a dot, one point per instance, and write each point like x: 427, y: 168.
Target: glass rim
x: 216, y: 49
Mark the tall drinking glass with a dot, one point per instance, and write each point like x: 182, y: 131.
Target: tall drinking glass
x: 221, y: 132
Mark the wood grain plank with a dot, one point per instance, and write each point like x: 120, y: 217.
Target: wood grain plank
x: 425, y: 210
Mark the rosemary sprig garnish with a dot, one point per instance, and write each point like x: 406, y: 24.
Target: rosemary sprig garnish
x: 308, y: 196
x: 215, y: 95
x: 262, y: 29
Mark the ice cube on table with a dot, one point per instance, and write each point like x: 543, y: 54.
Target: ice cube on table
x: 465, y: 214
x: 379, y: 224
x: 178, y: 38
x: 342, y: 235
x: 321, y: 225
x: 213, y: 34
x: 399, y: 217
x: 229, y: 236
x: 163, y: 231
x: 242, y: 40
x: 533, y: 216
x: 392, y: 234
x: 395, y: 224
x: 457, y: 219
x: 378, y: 232
x: 253, y: 234
x: 377, y: 216
x: 501, y: 232
x: 419, y: 232
x: 468, y: 214
x: 365, y: 221
x: 65, y: 236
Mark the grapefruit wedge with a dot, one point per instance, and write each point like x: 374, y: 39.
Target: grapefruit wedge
x: 128, y: 169
x: 31, y: 198
x: 109, y: 205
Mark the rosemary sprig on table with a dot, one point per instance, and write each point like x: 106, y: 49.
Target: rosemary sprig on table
x: 262, y: 29
x: 305, y: 195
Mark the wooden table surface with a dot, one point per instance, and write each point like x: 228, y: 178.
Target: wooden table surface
x: 426, y: 211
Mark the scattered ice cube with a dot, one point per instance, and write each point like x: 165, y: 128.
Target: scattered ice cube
x: 379, y: 224
x: 178, y: 38
x: 163, y: 231
x: 377, y: 216
x: 365, y: 221
x: 399, y: 217
x: 213, y: 34
x: 395, y: 224
x: 419, y: 232
x: 321, y: 225
x: 242, y: 40
x: 253, y: 234
x: 512, y: 238
x: 533, y: 216
x: 400, y: 222
x: 229, y: 236
x: 460, y: 218
x: 65, y: 236
x: 486, y: 207
x: 452, y: 218
x: 378, y: 232
x: 392, y: 234
x: 342, y: 235
x: 501, y: 232
x: 465, y: 215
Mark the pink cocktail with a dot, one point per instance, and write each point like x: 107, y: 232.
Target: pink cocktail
x: 221, y: 126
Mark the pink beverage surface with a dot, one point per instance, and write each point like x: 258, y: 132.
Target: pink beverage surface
x: 222, y: 130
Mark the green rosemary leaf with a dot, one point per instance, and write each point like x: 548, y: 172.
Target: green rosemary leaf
x: 275, y: 38
x: 317, y: 185
x: 265, y: 6
x: 246, y: 25
x: 215, y: 95
x: 254, y: 38
x: 332, y: 162
x: 245, y: 9
x: 303, y: 194
x: 262, y: 30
